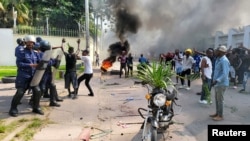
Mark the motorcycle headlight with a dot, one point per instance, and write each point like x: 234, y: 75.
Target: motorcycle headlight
x: 159, y: 99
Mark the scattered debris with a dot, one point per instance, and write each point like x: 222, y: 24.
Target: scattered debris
x: 123, y: 125
x: 112, y: 84
x: 101, y: 134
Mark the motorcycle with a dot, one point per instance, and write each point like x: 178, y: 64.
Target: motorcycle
x: 159, y: 113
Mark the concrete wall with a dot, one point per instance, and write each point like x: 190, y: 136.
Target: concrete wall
x: 8, y: 44
x: 6, y: 47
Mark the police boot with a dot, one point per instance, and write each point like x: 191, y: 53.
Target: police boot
x: 31, y: 100
x: 46, y: 93
x: 36, y: 103
x: 53, y: 96
x: 15, y: 101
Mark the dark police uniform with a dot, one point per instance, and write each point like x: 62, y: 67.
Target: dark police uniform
x: 24, y: 76
x: 46, y: 82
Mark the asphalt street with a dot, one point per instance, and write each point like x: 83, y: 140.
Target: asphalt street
x: 111, y: 115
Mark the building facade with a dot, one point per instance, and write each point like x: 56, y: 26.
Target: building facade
x: 233, y: 38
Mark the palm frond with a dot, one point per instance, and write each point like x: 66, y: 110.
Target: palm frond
x: 156, y: 74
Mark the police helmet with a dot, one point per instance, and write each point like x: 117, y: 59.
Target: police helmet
x: 36, y: 46
x: 38, y: 39
x: 30, y: 38
x: 44, y: 45
x: 19, y: 41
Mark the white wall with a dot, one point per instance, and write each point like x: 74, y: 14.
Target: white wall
x: 7, y: 50
x: 233, y: 38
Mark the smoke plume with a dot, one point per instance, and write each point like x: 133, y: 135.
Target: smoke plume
x: 163, y: 25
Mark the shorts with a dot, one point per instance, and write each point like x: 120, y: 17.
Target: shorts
x: 178, y: 70
x: 70, y: 77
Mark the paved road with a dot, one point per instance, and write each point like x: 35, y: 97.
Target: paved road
x: 102, y: 113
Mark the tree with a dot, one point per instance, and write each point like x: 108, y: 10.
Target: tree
x: 6, y: 12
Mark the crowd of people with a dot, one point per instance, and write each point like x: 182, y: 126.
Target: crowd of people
x: 217, y: 67
x: 35, y: 72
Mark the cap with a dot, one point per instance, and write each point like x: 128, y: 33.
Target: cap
x: 188, y: 50
x: 222, y: 48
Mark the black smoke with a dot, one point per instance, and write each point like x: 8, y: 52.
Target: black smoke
x: 116, y: 49
x: 169, y: 24
x: 125, y: 20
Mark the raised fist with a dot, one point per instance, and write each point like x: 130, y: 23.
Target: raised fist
x: 78, y: 41
x: 63, y: 40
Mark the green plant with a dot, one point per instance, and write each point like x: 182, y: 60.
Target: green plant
x: 207, y: 92
x: 156, y: 75
x: 2, y: 128
x: 8, y: 71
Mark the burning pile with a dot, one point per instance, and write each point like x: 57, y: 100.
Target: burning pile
x: 114, y: 51
x: 125, y: 21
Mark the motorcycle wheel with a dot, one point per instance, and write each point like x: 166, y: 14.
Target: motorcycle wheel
x: 151, y: 132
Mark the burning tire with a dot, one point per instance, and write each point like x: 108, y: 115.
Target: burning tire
x: 9, y: 79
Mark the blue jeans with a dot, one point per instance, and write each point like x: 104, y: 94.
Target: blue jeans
x: 207, y: 82
x: 219, y: 99
x: 245, y: 78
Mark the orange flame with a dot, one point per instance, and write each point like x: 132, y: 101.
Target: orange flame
x: 105, y: 65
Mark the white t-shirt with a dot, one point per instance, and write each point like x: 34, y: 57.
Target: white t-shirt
x: 87, y: 64
x: 208, y: 70
x: 178, y: 62
x: 187, y: 62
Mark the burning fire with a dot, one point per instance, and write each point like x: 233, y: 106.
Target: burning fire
x: 105, y: 65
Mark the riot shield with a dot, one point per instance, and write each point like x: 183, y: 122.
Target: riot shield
x: 58, y: 58
x: 40, y: 69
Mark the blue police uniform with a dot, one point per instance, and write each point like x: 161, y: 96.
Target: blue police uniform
x: 25, y: 72
x: 46, y: 82
x: 19, y: 50
x: 24, y: 76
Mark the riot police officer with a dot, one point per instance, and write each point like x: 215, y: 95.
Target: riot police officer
x: 20, y: 46
x: 46, y: 82
x: 26, y: 62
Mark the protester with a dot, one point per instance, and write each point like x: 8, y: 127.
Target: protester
x: 129, y: 61
x: 143, y: 60
x: 206, y: 76
x: 197, y: 57
x: 178, y: 61
x: 97, y: 59
x: 188, y: 64
x: 212, y: 58
x: 88, y: 72
x: 70, y: 76
x: 247, y: 71
x: 220, y: 81
x: 235, y: 63
x: 123, y: 63
x: 161, y: 57
x: 169, y: 59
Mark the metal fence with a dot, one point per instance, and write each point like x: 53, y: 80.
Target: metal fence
x: 49, y: 32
